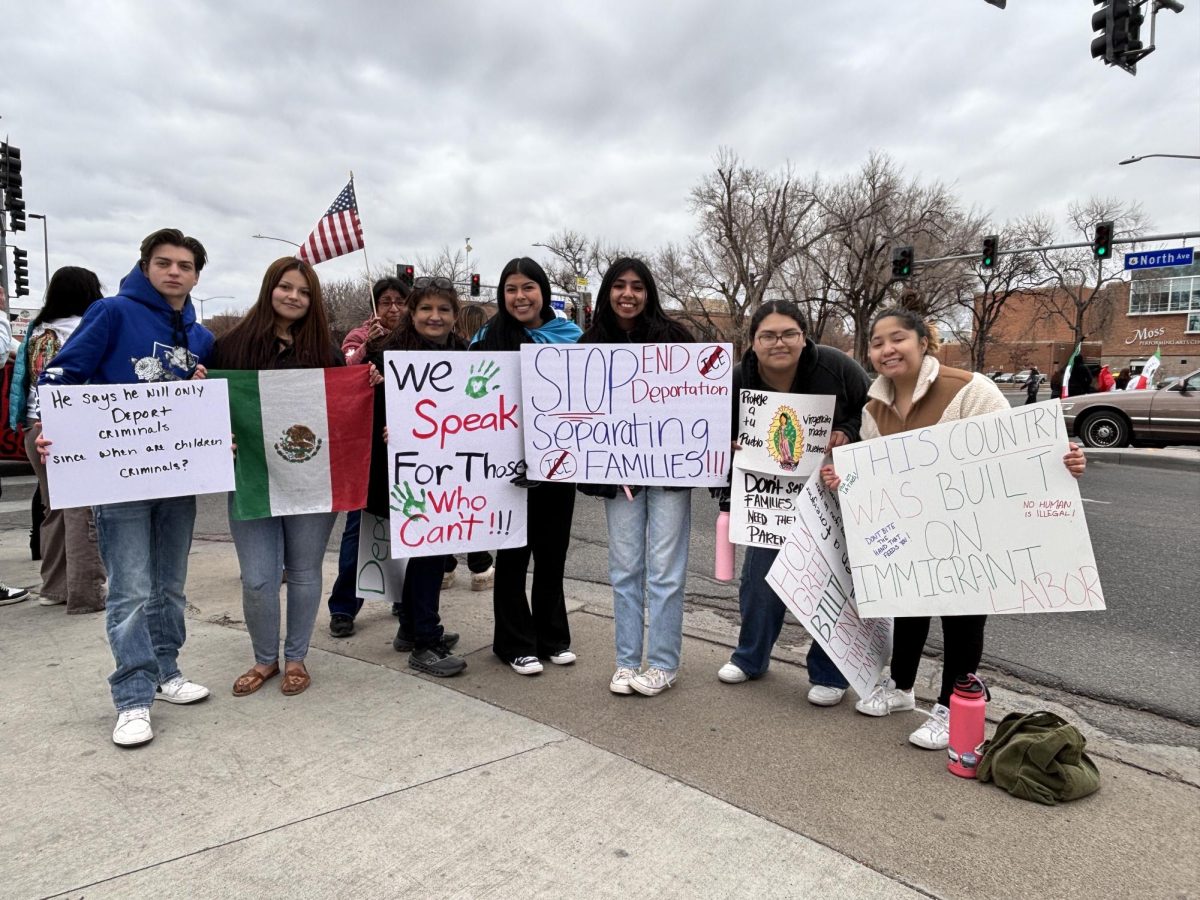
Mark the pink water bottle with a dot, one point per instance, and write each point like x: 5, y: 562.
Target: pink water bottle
x: 968, y: 704
x: 723, y: 569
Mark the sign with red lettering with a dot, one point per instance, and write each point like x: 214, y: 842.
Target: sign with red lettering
x: 454, y: 446
x: 649, y: 414
x: 974, y: 516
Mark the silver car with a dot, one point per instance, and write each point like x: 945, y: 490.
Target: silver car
x: 1116, y: 418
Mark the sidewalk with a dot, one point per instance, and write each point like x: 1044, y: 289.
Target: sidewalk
x: 380, y: 783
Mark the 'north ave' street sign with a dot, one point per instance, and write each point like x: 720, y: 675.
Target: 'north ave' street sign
x: 1157, y: 259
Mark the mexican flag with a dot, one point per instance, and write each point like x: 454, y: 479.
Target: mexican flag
x: 1146, y: 378
x: 1067, y: 374
x: 303, y: 440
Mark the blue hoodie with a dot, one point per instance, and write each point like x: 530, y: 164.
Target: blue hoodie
x: 134, y: 336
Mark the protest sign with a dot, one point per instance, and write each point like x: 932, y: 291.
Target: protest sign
x: 967, y: 517
x: 784, y: 438
x: 811, y: 575
x: 379, y: 576
x: 454, y: 431
x: 651, y: 414
x: 119, y: 442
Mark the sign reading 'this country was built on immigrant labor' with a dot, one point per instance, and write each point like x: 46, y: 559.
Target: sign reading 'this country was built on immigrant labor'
x: 649, y: 414
x: 967, y: 517
x: 454, y: 446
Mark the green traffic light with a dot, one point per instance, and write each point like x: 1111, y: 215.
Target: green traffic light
x: 987, y: 260
x: 1100, y: 251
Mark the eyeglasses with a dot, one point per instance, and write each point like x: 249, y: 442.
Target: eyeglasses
x: 425, y: 282
x: 770, y: 338
x: 390, y: 302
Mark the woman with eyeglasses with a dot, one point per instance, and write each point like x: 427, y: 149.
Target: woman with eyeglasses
x: 429, y: 325
x: 526, y: 633
x: 783, y: 358
x: 648, y: 530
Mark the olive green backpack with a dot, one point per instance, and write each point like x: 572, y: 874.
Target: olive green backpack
x: 1039, y: 756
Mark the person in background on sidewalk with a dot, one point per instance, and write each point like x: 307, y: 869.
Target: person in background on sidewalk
x: 915, y: 391
x: 526, y: 633
x: 782, y: 358
x: 429, y: 325
x: 287, y: 328
x: 1032, y: 385
x: 8, y: 595
x: 147, y: 333
x: 72, y: 572
x: 648, y: 531
x: 389, y: 296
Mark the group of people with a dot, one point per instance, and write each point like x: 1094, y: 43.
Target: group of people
x: 149, y: 332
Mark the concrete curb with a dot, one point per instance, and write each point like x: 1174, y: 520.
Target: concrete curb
x: 1179, y: 460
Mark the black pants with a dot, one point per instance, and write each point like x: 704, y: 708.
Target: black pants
x: 542, y: 630
x: 422, y: 595
x: 478, y: 562
x: 962, y: 640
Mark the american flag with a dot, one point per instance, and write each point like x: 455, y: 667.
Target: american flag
x: 339, y: 232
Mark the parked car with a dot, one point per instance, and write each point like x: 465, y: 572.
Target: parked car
x: 994, y: 375
x: 1021, y: 377
x: 1116, y: 418
x: 1004, y: 378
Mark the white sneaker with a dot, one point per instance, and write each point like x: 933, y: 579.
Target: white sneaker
x: 621, y: 681
x: 731, y: 674
x: 935, y: 733
x: 51, y: 601
x: 526, y: 665
x: 564, y: 658
x: 653, y: 681
x: 11, y: 594
x: 133, y: 727
x: 884, y: 699
x: 481, y: 581
x: 448, y: 580
x: 823, y: 695
x: 180, y: 690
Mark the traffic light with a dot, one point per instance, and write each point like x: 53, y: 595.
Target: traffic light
x: 587, y: 315
x: 20, y: 272
x: 991, y: 248
x: 902, y: 262
x: 10, y: 183
x: 1119, y: 41
x: 1102, y: 240
x: 475, y: 285
x: 406, y: 273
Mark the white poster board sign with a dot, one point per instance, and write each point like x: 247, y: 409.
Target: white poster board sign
x: 968, y: 517
x: 454, y: 446
x: 812, y: 577
x: 379, y: 576
x: 120, y: 442
x: 784, y: 438
x: 650, y: 414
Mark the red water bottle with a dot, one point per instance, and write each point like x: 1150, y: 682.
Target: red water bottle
x: 968, y: 705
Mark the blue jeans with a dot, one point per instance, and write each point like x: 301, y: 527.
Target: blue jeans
x: 145, y: 546
x: 762, y: 620
x: 343, y: 600
x: 647, y: 561
x: 266, y: 548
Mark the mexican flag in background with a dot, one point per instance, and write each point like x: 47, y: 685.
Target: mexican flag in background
x: 1066, y: 375
x: 303, y: 440
x: 1146, y: 378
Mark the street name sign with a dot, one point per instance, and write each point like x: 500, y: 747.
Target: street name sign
x: 1158, y: 259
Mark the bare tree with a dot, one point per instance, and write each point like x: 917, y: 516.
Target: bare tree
x: 1083, y: 283
x: 572, y: 256
x: 347, y: 303
x: 446, y: 263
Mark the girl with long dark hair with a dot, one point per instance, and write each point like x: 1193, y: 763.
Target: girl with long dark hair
x: 531, y: 628
x: 648, y: 531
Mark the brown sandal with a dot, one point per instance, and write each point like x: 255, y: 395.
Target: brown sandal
x: 295, y: 681
x: 250, y: 682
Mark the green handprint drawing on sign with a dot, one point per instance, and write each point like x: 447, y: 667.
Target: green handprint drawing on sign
x: 410, y: 506
x: 481, y: 376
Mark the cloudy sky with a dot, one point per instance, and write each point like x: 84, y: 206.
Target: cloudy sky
x: 505, y: 121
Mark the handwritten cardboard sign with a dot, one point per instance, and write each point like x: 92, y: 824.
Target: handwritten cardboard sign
x: 651, y: 414
x: 812, y: 577
x: 974, y: 516
x: 379, y: 576
x: 784, y: 438
x: 454, y: 431
x: 120, y: 442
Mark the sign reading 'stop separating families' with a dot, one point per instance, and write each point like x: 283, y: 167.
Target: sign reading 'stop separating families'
x: 650, y: 414
x: 118, y: 442
x: 454, y: 446
x: 974, y: 516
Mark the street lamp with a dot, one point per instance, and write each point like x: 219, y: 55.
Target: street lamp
x: 1134, y: 159
x: 267, y: 237
x: 45, y: 244
x: 201, y: 300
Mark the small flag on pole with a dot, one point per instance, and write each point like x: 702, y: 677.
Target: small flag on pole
x: 1145, y: 378
x: 1067, y: 374
x: 339, y: 232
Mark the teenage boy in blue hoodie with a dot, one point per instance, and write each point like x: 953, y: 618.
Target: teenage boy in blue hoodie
x: 147, y: 332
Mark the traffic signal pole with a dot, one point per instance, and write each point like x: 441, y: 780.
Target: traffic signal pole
x: 1137, y: 239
